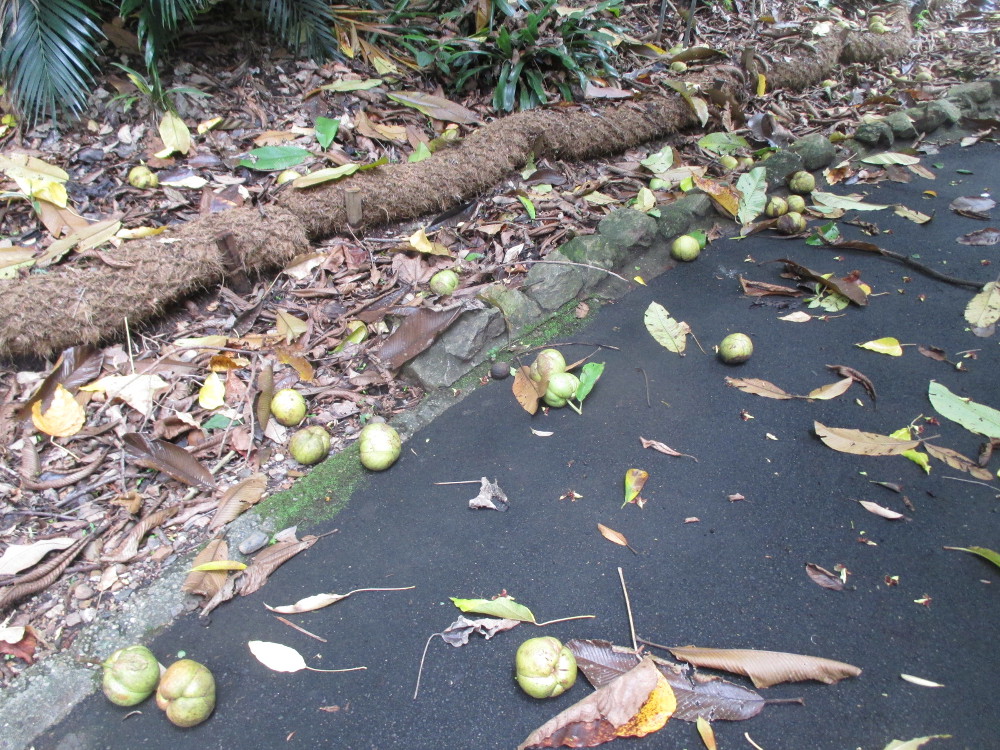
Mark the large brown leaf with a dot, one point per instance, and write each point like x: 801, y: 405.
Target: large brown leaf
x: 75, y: 366
x: 860, y: 443
x: 168, y: 458
x: 417, y: 332
x: 697, y: 695
x: 207, y: 583
x: 633, y: 705
x: 238, y: 498
x: 767, y: 668
x: 845, y: 287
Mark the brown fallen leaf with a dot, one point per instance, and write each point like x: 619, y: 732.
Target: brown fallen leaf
x: 844, y: 287
x: 170, y: 459
x: 831, y: 390
x: 763, y: 289
x: 615, y: 537
x: 75, y: 367
x: 956, y: 460
x: 415, y: 334
x: 526, y: 390
x: 767, y: 668
x: 19, y: 642
x: 635, y: 704
x: 129, y: 548
x: 207, y: 583
x: 656, y: 445
x: 981, y: 237
x: 859, y: 377
x: 823, y: 577
x: 697, y: 695
x: 458, y: 633
x: 860, y: 443
x: 759, y: 387
x: 238, y: 498
x: 879, y: 510
x: 707, y: 734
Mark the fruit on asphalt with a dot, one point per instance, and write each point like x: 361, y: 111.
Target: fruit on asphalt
x: 796, y: 203
x: 776, y: 207
x: 735, y: 348
x: 544, y: 667
x: 130, y: 675
x: 556, y: 402
x: 546, y: 364
x: 380, y: 445
x: 444, y: 282
x: 288, y: 407
x: 802, y: 183
x: 791, y: 223
x: 685, y: 248
x: 729, y: 162
x: 563, y: 385
x: 309, y: 445
x: 142, y: 177
x: 186, y: 693
x: 499, y: 370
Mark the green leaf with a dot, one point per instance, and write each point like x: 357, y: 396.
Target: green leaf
x: 668, y: 332
x: 420, y: 153
x: 661, y: 161
x: 830, y: 231
x: 978, y: 418
x: 983, y: 552
x: 325, y: 175
x: 502, y: 606
x: 274, y: 158
x: 920, y: 459
x: 753, y: 186
x: 326, y: 131
x: 589, y: 376
x: 528, y: 206
x: 340, y: 86
x: 723, y: 143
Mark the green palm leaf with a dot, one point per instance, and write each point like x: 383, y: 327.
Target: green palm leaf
x: 47, y: 54
x: 304, y: 25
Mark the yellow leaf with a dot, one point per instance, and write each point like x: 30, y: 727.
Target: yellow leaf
x: 212, y: 394
x: 325, y: 175
x: 136, y: 233
x: 887, y: 345
x: 46, y: 190
x: 654, y: 713
x: 210, y: 124
x: 639, y: 280
x: 635, y: 480
x: 420, y: 242
x: 761, y: 84
x: 920, y: 459
x: 175, y: 136
x: 135, y: 390
x: 93, y: 235
x: 290, y: 327
x: 64, y: 416
x: 216, y: 565
x: 30, y: 167
x: 210, y: 342
x: 706, y: 733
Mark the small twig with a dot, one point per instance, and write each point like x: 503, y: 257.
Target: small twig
x: 645, y: 378
x: 423, y: 656
x: 644, y: 642
x: 302, y: 630
x: 567, y: 263
x: 564, y: 619
x: 628, y: 608
x: 467, y: 481
x: 746, y: 736
x: 972, y: 481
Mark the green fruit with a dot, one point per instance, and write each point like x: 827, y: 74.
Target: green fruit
x: 186, y: 693
x: 796, y: 203
x: 746, y: 162
x: 877, y: 28
x: 657, y: 184
x: 791, y: 223
x: 556, y: 402
x: 685, y: 248
x: 729, y: 162
x: 735, y: 348
x: 287, y: 176
x: 829, y: 83
x: 444, y: 282
x: 357, y: 332
x: 380, y: 445
x: 544, y: 668
x: 130, y: 675
x: 776, y: 207
x: 802, y: 183
x: 546, y: 364
x: 923, y: 75
x: 563, y: 385
x: 678, y: 67
x: 310, y: 445
x: 142, y: 177
x: 288, y: 407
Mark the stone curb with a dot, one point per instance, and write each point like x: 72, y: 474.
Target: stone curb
x: 628, y: 242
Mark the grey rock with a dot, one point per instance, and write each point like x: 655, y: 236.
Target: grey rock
x: 626, y: 228
x: 874, y: 134
x: 674, y: 220
x: 518, y: 308
x: 255, y: 541
x: 697, y: 204
x: 815, y: 149
x: 931, y: 116
x: 902, y: 125
x: 780, y: 166
x: 458, y: 350
x: 978, y: 92
x: 552, y: 285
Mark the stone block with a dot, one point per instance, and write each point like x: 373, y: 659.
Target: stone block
x: 626, y: 228
x: 874, y: 134
x: 780, y: 166
x: 816, y: 151
x: 552, y: 285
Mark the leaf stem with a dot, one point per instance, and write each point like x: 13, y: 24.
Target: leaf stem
x: 563, y: 619
x: 347, y: 669
x: 628, y: 608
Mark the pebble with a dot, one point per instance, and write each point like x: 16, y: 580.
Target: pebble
x: 252, y: 543
x: 500, y: 370
x: 90, y: 155
x: 83, y: 591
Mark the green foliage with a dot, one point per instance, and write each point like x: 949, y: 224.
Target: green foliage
x: 523, y: 49
x: 47, y: 53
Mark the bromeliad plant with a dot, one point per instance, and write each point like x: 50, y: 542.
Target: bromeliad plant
x: 524, y: 47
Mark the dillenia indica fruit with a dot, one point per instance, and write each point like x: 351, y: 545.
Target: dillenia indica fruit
x: 685, y: 248
x: 735, y: 348
x: 562, y: 387
x: 791, y: 223
x: 130, y: 675
x: 444, y: 282
x: 544, y: 668
x: 729, y: 162
x: 142, y: 177
x: 776, y: 207
x: 288, y: 407
x: 802, y: 182
x: 796, y: 203
x: 380, y: 445
x: 546, y: 364
x: 186, y: 693
x: 310, y: 445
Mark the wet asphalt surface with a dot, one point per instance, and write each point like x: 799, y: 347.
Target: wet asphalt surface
x: 733, y: 579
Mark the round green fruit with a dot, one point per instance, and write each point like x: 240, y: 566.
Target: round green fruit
x: 791, y: 223
x: 776, y: 207
x: 544, y: 667
x: 556, y: 402
x: 729, y: 162
x: 563, y: 385
x: 796, y: 203
x: 287, y: 176
x: 444, y: 282
x: 288, y: 407
x: 310, y: 445
x: 380, y: 445
x: 685, y: 248
x: 142, y: 177
x: 678, y: 66
x: 546, y: 364
x: 130, y: 675
x: 186, y: 693
x: 746, y: 162
x: 735, y: 348
x: 802, y: 183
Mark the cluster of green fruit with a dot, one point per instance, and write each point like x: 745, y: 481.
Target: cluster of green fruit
x: 379, y: 443
x: 550, y: 366
x: 185, y: 690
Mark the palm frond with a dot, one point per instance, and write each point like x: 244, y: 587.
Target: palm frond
x: 47, y: 55
x: 304, y: 25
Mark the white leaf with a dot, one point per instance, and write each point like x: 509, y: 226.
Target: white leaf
x: 276, y: 656
x: 920, y: 681
x: 18, y: 557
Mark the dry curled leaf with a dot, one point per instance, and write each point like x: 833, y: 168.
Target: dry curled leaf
x: 767, y: 668
x: 160, y: 455
x: 458, y: 633
x: 879, y: 510
x: 823, y: 577
x: 656, y: 445
x: 759, y: 387
x: 860, y: 443
x: 318, y: 601
x: 130, y: 546
x: 238, y: 498
x: 18, y: 557
x: 490, y: 497
x: 615, y: 537
x: 207, y: 583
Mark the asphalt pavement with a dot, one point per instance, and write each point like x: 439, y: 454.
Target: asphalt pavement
x: 733, y: 578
